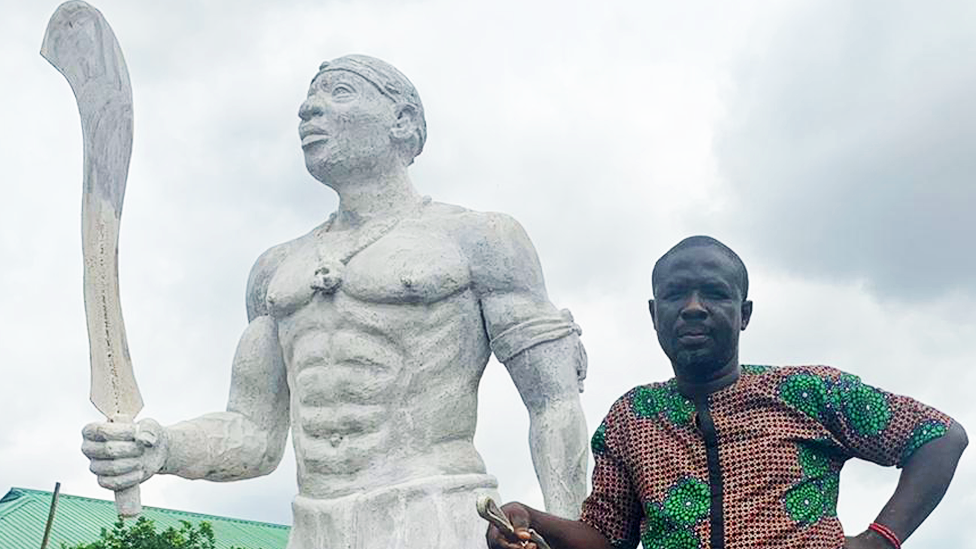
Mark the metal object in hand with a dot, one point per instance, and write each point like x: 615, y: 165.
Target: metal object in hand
x: 490, y: 511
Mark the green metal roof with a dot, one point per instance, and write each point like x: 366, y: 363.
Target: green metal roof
x: 23, y: 514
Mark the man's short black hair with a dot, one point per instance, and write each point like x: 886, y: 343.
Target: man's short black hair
x: 698, y: 241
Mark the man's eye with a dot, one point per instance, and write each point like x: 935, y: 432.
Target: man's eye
x: 718, y: 293
x: 341, y: 90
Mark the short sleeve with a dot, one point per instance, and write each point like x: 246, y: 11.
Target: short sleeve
x: 879, y: 426
x: 612, y: 506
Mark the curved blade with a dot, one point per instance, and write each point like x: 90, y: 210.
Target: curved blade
x: 80, y: 43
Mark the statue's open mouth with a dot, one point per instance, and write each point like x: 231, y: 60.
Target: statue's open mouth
x: 313, y: 138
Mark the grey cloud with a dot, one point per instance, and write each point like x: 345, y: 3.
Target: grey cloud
x: 849, y: 146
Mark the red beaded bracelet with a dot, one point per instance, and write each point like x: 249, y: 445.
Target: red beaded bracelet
x: 886, y: 533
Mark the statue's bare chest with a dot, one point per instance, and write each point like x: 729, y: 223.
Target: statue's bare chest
x: 411, y: 264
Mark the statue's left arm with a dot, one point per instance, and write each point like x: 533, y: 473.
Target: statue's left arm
x: 540, y: 347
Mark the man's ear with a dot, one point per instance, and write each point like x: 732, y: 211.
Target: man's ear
x: 650, y: 308
x: 746, y: 313
x: 406, y: 122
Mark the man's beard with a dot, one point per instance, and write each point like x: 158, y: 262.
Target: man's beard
x: 700, y: 363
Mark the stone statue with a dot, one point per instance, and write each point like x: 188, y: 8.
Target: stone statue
x: 368, y: 337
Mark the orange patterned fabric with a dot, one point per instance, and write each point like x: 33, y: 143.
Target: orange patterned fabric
x: 783, y: 435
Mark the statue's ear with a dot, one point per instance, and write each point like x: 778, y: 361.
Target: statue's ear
x: 406, y: 122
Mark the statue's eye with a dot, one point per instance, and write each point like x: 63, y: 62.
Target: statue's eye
x: 341, y: 90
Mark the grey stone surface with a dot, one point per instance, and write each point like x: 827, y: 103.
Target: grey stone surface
x: 368, y: 337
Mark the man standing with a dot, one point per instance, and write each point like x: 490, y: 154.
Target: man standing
x: 742, y: 457
x: 368, y: 337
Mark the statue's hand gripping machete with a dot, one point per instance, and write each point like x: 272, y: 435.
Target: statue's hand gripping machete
x: 81, y: 44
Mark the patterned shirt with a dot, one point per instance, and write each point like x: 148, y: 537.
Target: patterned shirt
x: 767, y: 449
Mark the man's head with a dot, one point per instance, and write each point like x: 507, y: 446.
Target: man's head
x: 360, y: 110
x: 742, y: 275
x: 699, y: 307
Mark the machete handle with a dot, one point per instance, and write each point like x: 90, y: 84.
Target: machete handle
x: 128, y: 501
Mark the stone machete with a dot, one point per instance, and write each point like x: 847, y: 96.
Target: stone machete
x: 80, y: 43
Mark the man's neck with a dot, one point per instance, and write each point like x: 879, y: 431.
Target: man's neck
x: 360, y: 202
x: 692, y: 387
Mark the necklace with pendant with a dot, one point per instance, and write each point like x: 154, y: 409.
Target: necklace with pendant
x: 328, y: 276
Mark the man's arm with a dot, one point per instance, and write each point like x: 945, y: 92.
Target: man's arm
x: 541, y: 349
x: 546, y: 380
x: 248, y: 439
x: 245, y: 441
x: 923, y: 481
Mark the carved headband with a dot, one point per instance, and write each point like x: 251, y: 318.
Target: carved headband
x: 389, y: 81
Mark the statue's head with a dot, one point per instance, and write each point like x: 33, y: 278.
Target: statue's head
x: 360, y: 113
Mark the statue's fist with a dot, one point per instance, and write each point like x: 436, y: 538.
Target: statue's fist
x: 124, y: 454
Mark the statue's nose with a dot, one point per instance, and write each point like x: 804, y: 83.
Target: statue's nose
x: 309, y: 109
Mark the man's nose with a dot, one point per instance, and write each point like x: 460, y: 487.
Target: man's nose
x: 310, y: 108
x: 694, y: 308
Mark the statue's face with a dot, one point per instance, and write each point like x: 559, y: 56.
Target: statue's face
x: 345, y: 126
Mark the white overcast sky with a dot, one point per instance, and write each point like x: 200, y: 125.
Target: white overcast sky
x: 831, y: 143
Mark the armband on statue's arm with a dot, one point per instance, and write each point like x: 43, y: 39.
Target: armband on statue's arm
x: 542, y: 329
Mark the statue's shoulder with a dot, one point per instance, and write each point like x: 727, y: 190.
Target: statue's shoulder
x: 471, y: 227
x: 499, y: 252
x: 261, y: 274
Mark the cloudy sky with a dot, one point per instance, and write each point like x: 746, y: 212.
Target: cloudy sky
x: 831, y: 143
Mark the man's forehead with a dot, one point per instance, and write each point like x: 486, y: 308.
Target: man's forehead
x: 695, y: 257
x: 697, y: 265
x: 683, y: 276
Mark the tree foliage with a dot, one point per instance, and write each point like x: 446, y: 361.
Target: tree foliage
x: 143, y: 535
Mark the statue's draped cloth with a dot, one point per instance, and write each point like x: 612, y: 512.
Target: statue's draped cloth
x: 437, y: 512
